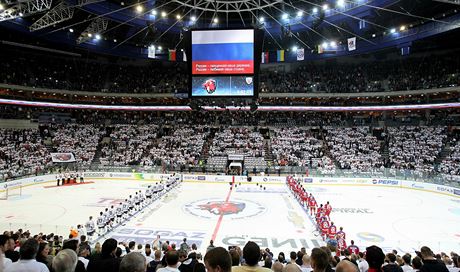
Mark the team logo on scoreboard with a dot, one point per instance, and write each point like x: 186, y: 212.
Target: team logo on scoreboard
x: 213, y: 208
x: 210, y: 85
x: 249, y: 80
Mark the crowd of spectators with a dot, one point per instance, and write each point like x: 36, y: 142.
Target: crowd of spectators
x: 96, y: 73
x: 22, y: 251
x: 238, y: 140
x: 80, y: 74
x: 321, y: 141
x: 81, y: 140
x: 22, y: 152
x: 128, y: 145
x: 141, y: 145
x: 182, y: 147
x: 354, y: 148
x: 375, y: 76
x: 415, y: 147
x: 295, y: 147
x: 450, y: 164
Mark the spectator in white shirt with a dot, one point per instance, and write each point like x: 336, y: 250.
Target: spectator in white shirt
x: 27, y: 262
x: 362, y: 263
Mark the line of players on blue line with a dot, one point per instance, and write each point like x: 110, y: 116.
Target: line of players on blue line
x: 321, y: 214
x: 116, y: 215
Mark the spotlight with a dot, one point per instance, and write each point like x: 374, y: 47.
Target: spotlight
x: 393, y: 30
x: 163, y: 14
x: 324, y: 45
x: 98, y: 37
x: 71, y: 30
x: 216, y: 20
x: 299, y: 13
x: 139, y: 8
x: 90, y: 35
x: 262, y: 19
x: 160, y: 48
x: 402, y: 28
x: 115, y: 40
x: 315, y: 10
x: 373, y: 35
x: 333, y: 44
x: 325, y: 7
x: 341, y: 3
x: 285, y: 16
x: 294, y: 48
x: 153, y: 12
x: 21, y: 14
x: 178, y: 16
x: 193, y: 18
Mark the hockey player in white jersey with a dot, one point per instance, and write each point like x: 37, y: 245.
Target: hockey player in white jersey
x: 90, y: 228
x: 119, y: 212
x: 101, y: 223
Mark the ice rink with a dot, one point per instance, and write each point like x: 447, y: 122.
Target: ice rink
x: 390, y: 217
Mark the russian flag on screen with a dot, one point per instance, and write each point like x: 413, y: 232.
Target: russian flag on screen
x: 223, y: 51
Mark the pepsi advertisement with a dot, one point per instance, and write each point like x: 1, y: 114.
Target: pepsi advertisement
x: 224, y: 63
x: 203, y: 86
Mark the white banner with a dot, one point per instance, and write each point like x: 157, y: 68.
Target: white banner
x: 352, y: 44
x: 300, y: 54
x: 62, y: 157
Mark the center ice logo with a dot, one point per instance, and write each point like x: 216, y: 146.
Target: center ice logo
x: 222, y: 207
x: 213, y: 208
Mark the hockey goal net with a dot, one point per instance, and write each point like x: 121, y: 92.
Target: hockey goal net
x: 10, y: 192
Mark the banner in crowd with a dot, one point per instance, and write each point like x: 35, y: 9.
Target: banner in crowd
x: 62, y: 157
x: 352, y: 44
x: 300, y: 54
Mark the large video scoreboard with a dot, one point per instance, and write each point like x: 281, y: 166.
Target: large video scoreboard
x: 223, y: 63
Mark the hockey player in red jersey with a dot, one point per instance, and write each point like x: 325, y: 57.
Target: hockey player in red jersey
x: 313, y: 205
x: 328, y: 209
x: 332, y: 231
x: 341, y: 234
x: 324, y: 224
x: 353, y: 248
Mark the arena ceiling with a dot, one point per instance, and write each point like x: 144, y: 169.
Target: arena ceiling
x: 114, y: 24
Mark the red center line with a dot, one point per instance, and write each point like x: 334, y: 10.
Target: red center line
x: 219, y: 221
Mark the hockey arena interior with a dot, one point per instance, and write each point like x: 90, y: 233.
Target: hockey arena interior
x: 229, y: 136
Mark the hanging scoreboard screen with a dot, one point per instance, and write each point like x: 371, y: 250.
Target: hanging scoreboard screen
x: 222, y: 86
x: 224, y: 62
x: 223, y: 52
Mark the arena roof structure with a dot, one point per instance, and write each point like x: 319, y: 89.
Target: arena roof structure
x: 128, y: 27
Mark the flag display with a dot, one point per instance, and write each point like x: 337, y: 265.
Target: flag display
x: 300, y: 54
x: 352, y: 44
x: 265, y: 57
x: 172, y: 55
x: 62, y: 157
x: 223, y: 51
x: 279, y: 55
x: 320, y: 49
x: 151, y: 52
